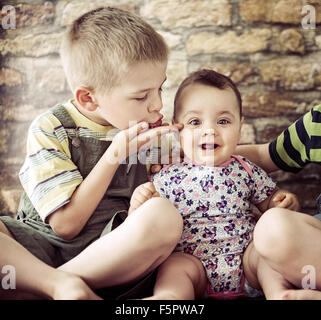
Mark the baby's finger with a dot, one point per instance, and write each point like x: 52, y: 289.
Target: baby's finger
x: 279, y: 197
x: 284, y: 203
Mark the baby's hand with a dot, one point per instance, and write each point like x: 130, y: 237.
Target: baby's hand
x: 286, y: 200
x: 141, y: 194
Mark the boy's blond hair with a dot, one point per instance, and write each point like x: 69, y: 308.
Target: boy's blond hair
x: 99, y: 46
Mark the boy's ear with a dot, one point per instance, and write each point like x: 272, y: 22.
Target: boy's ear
x: 86, y: 98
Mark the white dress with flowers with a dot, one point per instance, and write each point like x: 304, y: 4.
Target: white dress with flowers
x: 215, y: 203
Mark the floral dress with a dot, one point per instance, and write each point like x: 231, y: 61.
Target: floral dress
x: 215, y: 203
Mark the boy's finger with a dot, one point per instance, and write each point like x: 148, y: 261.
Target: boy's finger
x: 147, y: 137
x: 136, y: 129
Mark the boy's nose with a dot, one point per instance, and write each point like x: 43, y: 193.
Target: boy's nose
x: 156, y: 104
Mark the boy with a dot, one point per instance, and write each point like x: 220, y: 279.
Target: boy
x: 77, y: 183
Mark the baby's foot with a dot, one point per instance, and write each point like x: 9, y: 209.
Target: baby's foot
x: 72, y: 287
x: 301, y: 294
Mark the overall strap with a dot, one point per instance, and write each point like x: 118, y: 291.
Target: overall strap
x: 60, y: 112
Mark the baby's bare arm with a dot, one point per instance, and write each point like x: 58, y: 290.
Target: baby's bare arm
x: 282, y: 199
x: 141, y: 194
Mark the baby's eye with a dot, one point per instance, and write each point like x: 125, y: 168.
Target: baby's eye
x: 224, y: 121
x: 194, y: 122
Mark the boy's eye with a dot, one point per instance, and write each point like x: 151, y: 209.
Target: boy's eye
x: 194, y: 122
x: 142, y: 98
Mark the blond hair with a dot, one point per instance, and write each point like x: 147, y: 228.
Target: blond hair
x: 102, y: 43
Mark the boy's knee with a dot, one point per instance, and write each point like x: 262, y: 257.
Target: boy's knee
x: 274, y: 234
x: 162, y: 220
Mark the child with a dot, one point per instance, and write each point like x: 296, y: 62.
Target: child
x: 77, y: 183
x: 214, y: 190
x: 293, y: 149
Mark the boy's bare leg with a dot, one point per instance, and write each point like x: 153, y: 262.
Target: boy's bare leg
x: 35, y: 277
x: 136, y: 247
x: 285, y: 242
x: 261, y: 276
x: 180, y: 277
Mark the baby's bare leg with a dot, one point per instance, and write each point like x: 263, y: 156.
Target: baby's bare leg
x: 180, y: 277
x: 140, y: 244
x: 33, y: 278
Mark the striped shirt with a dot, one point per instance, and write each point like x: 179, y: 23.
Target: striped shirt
x: 299, y: 144
x: 48, y: 175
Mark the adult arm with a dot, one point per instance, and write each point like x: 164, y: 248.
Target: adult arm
x: 259, y: 154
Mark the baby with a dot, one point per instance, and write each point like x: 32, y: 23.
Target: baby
x: 214, y: 191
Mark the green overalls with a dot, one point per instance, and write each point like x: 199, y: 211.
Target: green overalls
x: 41, y: 240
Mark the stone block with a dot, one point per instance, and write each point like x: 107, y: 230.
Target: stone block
x: 229, y: 42
x: 186, y: 13
x: 290, y: 73
x: 239, y: 72
x: 247, y: 134
x: 31, y: 45
x: 262, y: 104
x: 275, y: 11
x: 10, y: 77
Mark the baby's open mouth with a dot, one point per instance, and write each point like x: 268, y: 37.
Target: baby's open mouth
x: 209, y: 146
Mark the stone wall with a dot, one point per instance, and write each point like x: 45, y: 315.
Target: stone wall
x: 261, y: 44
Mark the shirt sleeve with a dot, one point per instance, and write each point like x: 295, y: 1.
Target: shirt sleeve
x: 262, y: 186
x: 48, y: 175
x: 299, y: 144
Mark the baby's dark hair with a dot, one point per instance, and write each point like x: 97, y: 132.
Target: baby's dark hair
x: 209, y: 78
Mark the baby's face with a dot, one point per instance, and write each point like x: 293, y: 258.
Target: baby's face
x: 137, y: 98
x: 211, y: 121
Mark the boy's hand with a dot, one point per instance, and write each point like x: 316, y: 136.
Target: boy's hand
x: 141, y: 194
x: 131, y: 140
x: 286, y: 200
x: 155, y: 168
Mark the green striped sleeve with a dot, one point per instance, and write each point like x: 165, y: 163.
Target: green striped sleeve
x: 299, y: 144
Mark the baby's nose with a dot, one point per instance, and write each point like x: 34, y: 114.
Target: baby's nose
x: 209, y: 132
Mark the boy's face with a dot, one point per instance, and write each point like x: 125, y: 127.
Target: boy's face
x: 211, y: 121
x: 137, y: 98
